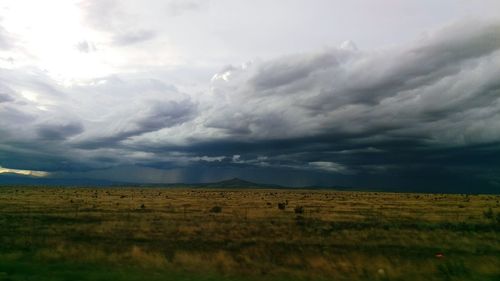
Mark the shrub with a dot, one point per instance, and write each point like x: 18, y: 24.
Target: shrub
x: 452, y: 269
x: 300, y: 221
x: 216, y: 209
x: 299, y: 210
x: 488, y: 213
x: 281, y: 206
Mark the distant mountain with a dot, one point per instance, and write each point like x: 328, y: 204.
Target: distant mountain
x: 15, y: 179
x: 230, y: 183
x: 234, y: 183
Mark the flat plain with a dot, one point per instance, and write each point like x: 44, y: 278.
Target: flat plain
x: 246, y: 234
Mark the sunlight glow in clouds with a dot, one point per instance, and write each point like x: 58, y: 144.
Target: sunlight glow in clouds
x: 48, y: 36
x: 24, y: 172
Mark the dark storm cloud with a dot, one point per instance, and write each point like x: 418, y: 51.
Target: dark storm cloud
x: 408, y: 165
x: 452, y: 73
x: 157, y: 116
x: 162, y: 115
x: 59, y: 131
x: 422, y: 107
x: 423, y: 116
x: 370, y: 78
x: 167, y: 114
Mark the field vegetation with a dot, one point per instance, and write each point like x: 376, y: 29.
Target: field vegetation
x: 246, y: 234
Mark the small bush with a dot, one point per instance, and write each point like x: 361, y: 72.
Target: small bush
x: 452, y: 269
x: 299, y: 210
x: 300, y: 221
x: 281, y: 206
x: 488, y: 214
x: 216, y: 209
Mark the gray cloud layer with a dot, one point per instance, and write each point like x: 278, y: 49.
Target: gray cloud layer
x: 340, y: 115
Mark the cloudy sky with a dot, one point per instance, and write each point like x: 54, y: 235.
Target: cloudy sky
x: 379, y: 94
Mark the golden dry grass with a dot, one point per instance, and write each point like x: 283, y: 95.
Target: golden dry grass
x: 338, y: 236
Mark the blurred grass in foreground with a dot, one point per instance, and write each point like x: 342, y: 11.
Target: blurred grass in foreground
x: 180, y: 234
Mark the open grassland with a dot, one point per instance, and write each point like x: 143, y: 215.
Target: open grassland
x: 202, y: 234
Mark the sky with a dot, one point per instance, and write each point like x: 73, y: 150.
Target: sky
x: 401, y: 95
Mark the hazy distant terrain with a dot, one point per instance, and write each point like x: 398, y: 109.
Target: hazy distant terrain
x: 245, y: 234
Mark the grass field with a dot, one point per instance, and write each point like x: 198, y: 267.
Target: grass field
x: 204, y: 234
